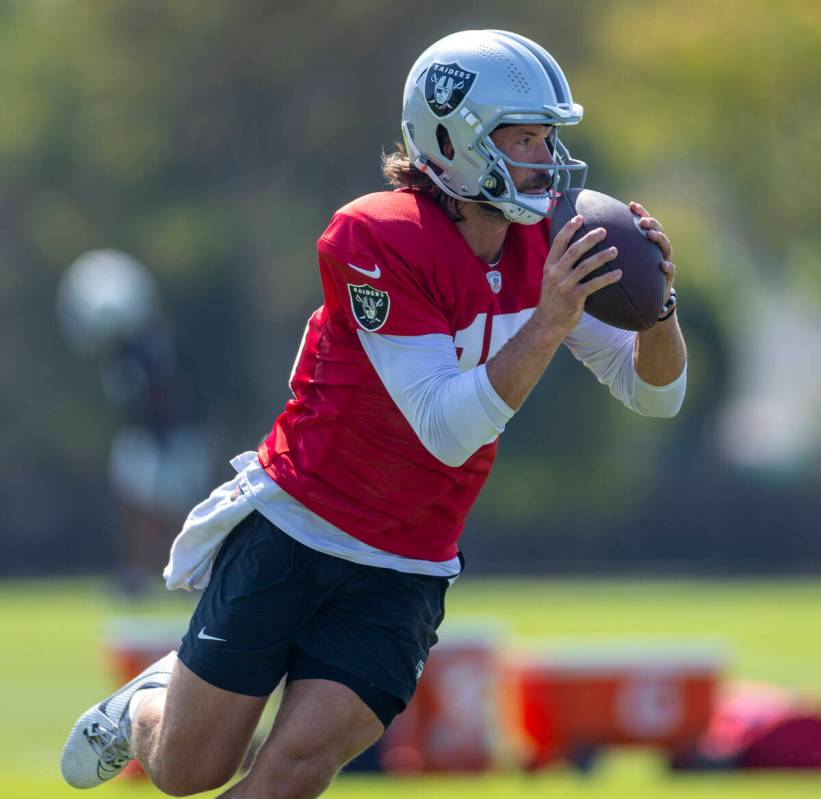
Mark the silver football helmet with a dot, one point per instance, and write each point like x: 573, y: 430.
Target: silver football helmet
x: 465, y: 86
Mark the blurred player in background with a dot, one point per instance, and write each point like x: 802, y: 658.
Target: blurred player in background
x: 109, y: 311
x: 326, y: 560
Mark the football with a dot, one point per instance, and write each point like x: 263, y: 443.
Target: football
x: 635, y: 301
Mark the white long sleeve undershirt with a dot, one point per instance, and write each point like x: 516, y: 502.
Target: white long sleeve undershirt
x: 454, y: 412
x: 608, y: 353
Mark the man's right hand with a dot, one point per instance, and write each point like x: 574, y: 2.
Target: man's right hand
x: 563, y: 294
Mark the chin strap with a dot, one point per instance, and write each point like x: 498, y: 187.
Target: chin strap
x: 523, y: 209
x: 526, y: 216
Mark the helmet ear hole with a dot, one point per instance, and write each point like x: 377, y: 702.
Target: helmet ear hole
x: 445, y: 144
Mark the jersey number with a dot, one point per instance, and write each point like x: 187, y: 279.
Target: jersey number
x: 486, y: 335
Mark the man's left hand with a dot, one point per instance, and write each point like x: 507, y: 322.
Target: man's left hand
x: 655, y: 232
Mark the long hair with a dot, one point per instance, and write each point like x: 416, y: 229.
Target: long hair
x: 399, y: 172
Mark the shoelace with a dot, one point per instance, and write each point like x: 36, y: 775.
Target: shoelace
x: 110, y: 745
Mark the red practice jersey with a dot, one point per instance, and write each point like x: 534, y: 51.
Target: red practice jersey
x: 394, y: 263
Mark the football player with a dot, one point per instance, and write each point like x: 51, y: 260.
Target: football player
x: 326, y: 559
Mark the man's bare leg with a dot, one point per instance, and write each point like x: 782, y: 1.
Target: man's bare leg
x: 192, y: 737
x: 321, y: 725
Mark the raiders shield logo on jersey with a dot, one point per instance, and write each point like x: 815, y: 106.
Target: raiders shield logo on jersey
x: 370, y: 306
x: 446, y: 86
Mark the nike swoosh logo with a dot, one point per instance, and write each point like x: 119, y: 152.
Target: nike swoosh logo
x: 206, y: 637
x: 375, y: 272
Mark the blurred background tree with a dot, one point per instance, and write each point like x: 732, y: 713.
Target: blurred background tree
x: 213, y: 141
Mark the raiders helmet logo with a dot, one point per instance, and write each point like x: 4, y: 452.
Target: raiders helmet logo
x: 446, y: 85
x: 370, y: 306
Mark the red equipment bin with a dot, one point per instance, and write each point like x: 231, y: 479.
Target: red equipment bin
x: 568, y: 703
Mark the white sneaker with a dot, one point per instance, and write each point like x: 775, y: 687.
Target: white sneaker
x: 97, y: 748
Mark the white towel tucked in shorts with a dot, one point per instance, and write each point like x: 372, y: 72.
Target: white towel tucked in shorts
x: 196, y: 546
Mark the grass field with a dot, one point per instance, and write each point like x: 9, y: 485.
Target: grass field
x: 51, y: 670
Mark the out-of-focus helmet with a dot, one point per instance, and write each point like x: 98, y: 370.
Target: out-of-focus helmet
x: 105, y: 296
x: 465, y: 86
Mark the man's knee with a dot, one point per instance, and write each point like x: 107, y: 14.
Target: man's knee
x: 178, y: 778
x: 185, y: 762
x: 290, y: 776
x: 310, y: 776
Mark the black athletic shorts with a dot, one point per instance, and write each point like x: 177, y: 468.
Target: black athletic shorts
x: 276, y: 607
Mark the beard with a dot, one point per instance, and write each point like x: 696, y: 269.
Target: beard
x: 540, y: 184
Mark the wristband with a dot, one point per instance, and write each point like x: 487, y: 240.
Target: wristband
x: 669, y: 307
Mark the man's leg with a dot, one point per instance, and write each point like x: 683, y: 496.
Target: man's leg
x: 320, y: 726
x: 192, y: 737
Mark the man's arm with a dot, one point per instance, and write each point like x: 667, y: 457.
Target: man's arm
x: 646, y: 371
x: 452, y: 412
x: 609, y: 353
x: 517, y: 367
x: 652, y: 382
x: 659, y: 354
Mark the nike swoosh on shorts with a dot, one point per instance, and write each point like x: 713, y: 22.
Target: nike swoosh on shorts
x: 205, y: 637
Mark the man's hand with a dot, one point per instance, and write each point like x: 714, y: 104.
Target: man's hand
x: 655, y: 232
x: 563, y: 293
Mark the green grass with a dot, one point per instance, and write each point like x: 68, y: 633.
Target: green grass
x: 52, y: 668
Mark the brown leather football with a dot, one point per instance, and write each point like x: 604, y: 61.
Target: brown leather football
x: 635, y: 301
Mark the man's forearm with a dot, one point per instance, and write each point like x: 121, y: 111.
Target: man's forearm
x: 659, y: 354
x: 517, y: 367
